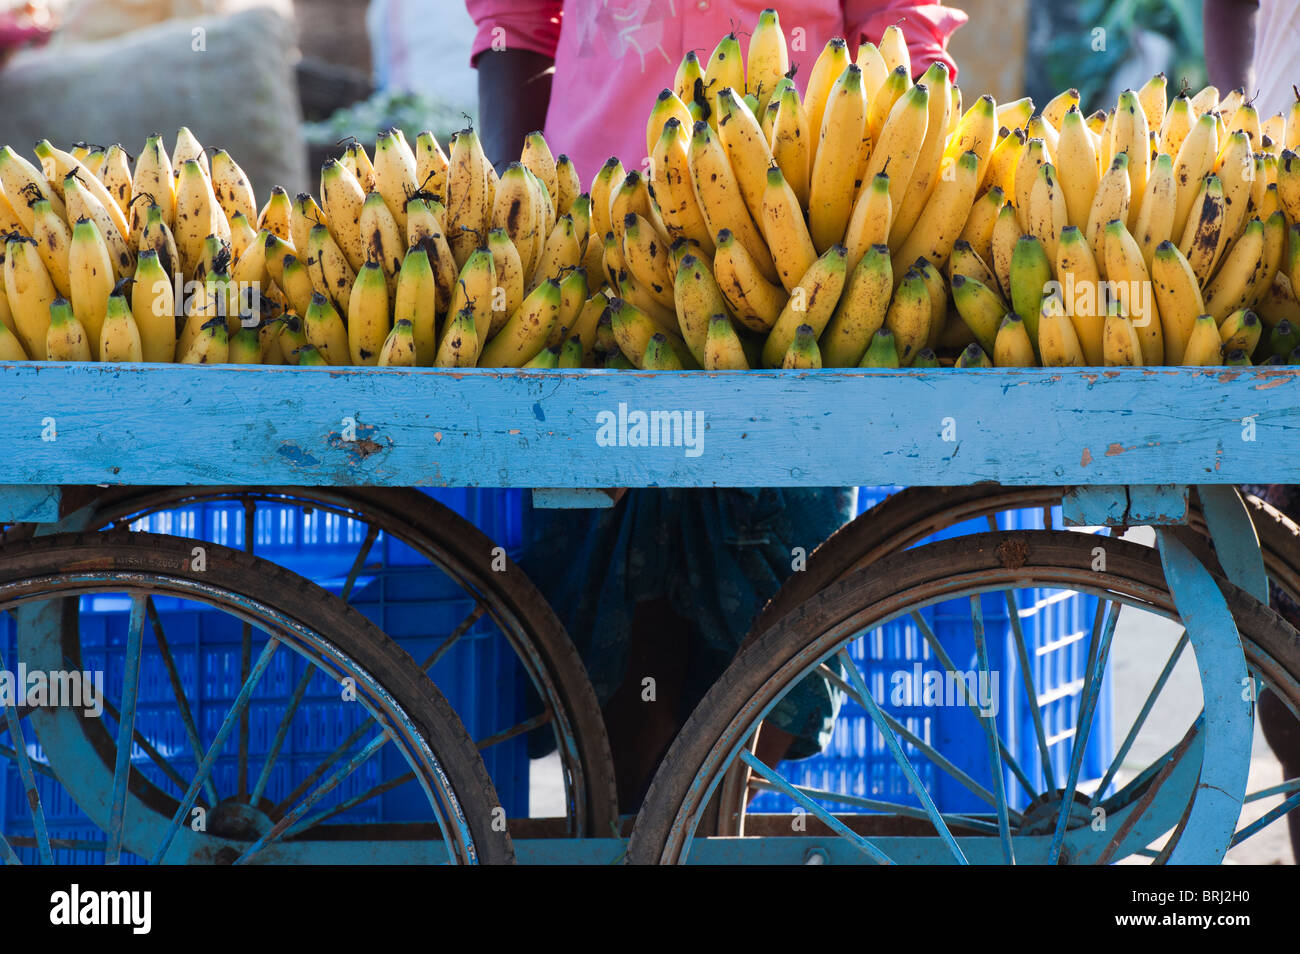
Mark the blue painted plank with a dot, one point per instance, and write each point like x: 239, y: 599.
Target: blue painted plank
x: 429, y: 427
x: 571, y: 498
x: 1101, y: 506
x: 1156, y: 505
x: 35, y: 503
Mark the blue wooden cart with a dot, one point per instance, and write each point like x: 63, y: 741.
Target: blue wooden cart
x: 93, y: 450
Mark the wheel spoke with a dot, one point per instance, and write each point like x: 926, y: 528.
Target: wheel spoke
x: 834, y: 824
x: 147, y: 747
x: 39, y: 768
x: 935, y: 756
x: 1098, y: 652
x: 517, y: 729
x: 7, y: 853
x: 317, y: 794
x: 1139, y: 720
x: 349, y: 804
x: 316, y: 773
x: 946, y: 661
x: 474, y: 616
x: 372, y: 533
x: 1149, y: 795
x: 178, y: 692
x: 210, y: 758
x: 876, y: 805
x: 245, y: 655
x: 895, y: 747
x: 1027, y: 669
x: 1290, y: 785
x: 1265, y: 820
x: 126, y: 729
x: 28, y: 778
x: 990, y: 725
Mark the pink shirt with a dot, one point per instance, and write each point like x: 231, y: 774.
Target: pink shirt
x: 612, y: 57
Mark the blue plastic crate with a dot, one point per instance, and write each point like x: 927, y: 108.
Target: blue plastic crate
x: 414, y: 603
x: 1056, y: 627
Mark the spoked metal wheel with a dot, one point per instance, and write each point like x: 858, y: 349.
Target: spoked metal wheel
x: 913, y: 514
x: 443, y: 589
x: 155, y: 778
x: 1050, y: 807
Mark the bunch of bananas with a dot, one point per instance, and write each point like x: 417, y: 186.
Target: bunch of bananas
x: 865, y: 221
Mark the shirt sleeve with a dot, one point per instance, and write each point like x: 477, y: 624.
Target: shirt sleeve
x: 926, y: 26
x: 516, y: 25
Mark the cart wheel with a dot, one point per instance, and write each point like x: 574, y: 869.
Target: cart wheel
x: 156, y: 778
x: 500, y: 603
x: 1025, y: 814
x: 911, y: 515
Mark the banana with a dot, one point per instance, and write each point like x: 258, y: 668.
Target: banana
x: 59, y: 165
x: 1032, y: 158
x: 980, y: 308
x: 231, y: 187
x: 725, y: 70
x: 1038, y: 128
x: 1057, y: 343
x: 368, y: 324
x: 196, y: 214
x: 385, y: 243
x: 1241, y: 330
x: 52, y: 239
x: 536, y: 157
x: 580, y: 209
x: 158, y: 236
x: 357, y: 161
x: 1076, y: 163
x: 667, y: 106
x: 1236, y: 171
x: 1282, y: 340
x: 1130, y: 134
x: 571, y: 355
x: 688, y: 84
x: 721, y: 201
x: 882, y: 352
x: 309, y: 357
x: 1288, y: 184
x: 827, y: 69
x: 1156, y: 220
x: 17, y: 175
x: 812, y: 302
x: 881, y: 103
x: 10, y: 224
x: 242, y: 235
x: 459, y: 347
x: 304, y: 215
x: 1276, y: 239
x: 214, y: 255
x: 82, y: 204
x: 1195, y: 160
x: 1031, y: 271
x: 674, y: 189
x: 647, y: 259
x: 976, y: 132
x: 861, y: 311
x: 509, y: 277
x: 65, y: 339
x: 325, y: 331
x: 1121, y: 346
x: 1054, y: 112
x: 187, y: 147
x: 476, y: 286
x: 1200, y: 238
x: 1047, y: 214
x: 395, y: 175
x: 1204, y: 345
x: 1006, y: 234
x: 722, y: 348
x: 1082, y: 294
x: 926, y: 358
x: 659, y: 356
x: 925, y: 173
x: 292, y: 342
x: 296, y: 284
x: 894, y: 50
x: 902, y: 139
x: 978, y: 230
x: 210, y: 346
x: 468, y: 209
x: 941, y: 222
x: 937, y: 290
x: 431, y: 166
x: 870, y: 221
x: 803, y: 353
x: 573, y: 296
x: 331, y: 273
x: 416, y: 301
x: 973, y: 357
x: 1243, y: 267
x: 791, y: 143
x: 569, y: 186
x: 30, y: 293
x: 119, y: 338
x: 633, y: 195
x: 199, y: 307
x: 755, y: 301
x: 785, y: 231
x: 1111, y: 202
x: 610, y: 177
x: 548, y: 359
x: 398, y: 348
x: 875, y: 71
x: 1177, y: 124
x: 586, y: 328
x: 245, y: 347
x: 835, y: 160
x: 909, y: 316
x: 11, y: 349
x: 1004, y: 160
x: 92, y: 278
x: 697, y: 299
x: 525, y: 334
x: 1127, y: 273
x: 768, y: 59
x: 153, y: 305
x: 516, y: 212
x: 1246, y: 120
x: 746, y: 149
x: 966, y: 261
x: 115, y: 174
x: 1012, y: 348
x: 1154, y: 97
x: 563, y: 252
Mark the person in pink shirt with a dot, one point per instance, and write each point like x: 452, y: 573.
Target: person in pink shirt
x: 666, y: 583
x: 586, y: 72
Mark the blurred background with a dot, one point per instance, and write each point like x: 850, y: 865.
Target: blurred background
x: 285, y: 80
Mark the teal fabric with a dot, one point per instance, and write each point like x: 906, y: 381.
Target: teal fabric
x: 717, y: 555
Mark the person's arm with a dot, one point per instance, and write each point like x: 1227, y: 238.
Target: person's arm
x: 926, y: 26
x: 1230, y: 43
x: 514, y: 52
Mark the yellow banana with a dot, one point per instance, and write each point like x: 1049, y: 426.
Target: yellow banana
x: 115, y: 174
x: 1236, y: 171
x: 331, y: 273
x: 647, y: 259
x: 1195, y: 159
x: 723, y: 350
x: 1111, y: 202
x: 509, y: 276
x: 431, y: 166
x: 395, y: 175
x: 861, y: 310
x: 721, y: 201
x: 768, y: 59
x: 368, y: 323
x: 792, y: 143
x: 573, y: 296
x: 755, y: 301
x: 941, y: 222
x: 674, y: 190
x: 153, y: 305
x: 569, y: 186
x: 30, y: 293
x: 746, y: 149
x: 231, y: 187
x: 827, y: 69
x: 667, y: 106
x: 1204, y: 346
x: 925, y: 173
x: 399, y: 347
x: 966, y: 261
x: 65, y: 339
x: 1003, y: 162
x: 1234, y: 283
x: 785, y: 231
x: 1012, y: 347
x: 980, y: 308
x: 210, y: 346
x: 52, y: 238
x: 835, y: 160
x: 1033, y: 157
x: 119, y: 338
x: 870, y: 221
x: 902, y: 138
x: 812, y: 302
x: 909, y: 315
x: 1177, y: 124
x: 976, y: 132
x: 978, y: 230
x: 18, y: 175
x: 881, y: 103
x: 385, y: 243
x: 1127, y: 274
x: 525, y: 334
x: 697, y: 299
x: 1060, y: 104
x: 875, y: 71
x: 325, y: 331
x: 1057, y: 343
x: 536, y: 157
x: 1200, y: 237
x: 158, y: 236
x: 1130, y: 135
x: 1081, y: 292
x: 516, y: 212
x: 468, y: 211
x: 1076, y: 162
x: 563, y: 253
x: 894, y: 51
x: 1047, y: 213
x: 59, y: 165
x: 1121, y: 346
x: 476, y: 286
x: 91, y: 278
x: 1006, y: 235
x: 416, y: 301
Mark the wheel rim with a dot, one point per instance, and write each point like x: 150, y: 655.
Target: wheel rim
x: 579, y: 782
x: 730, y: 768
x: 141, y: 811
